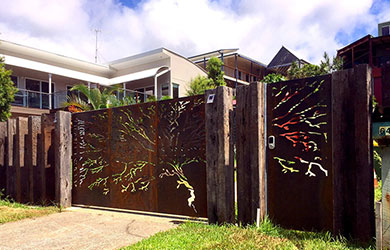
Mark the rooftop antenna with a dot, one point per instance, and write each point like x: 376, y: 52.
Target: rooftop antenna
x: 96, y: 47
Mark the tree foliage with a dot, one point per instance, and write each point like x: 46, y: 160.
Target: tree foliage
x: 307, y: 70
x: 326, y: 66
x: 329, y: 66
x: 271, y: 78
x: 7, y: 92
x: 199, y: 85
x: 97, y: 99
x: 214, y: 78
x: 215, y: 73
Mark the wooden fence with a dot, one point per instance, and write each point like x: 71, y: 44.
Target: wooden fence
x: 35, y: 155
x: 35, y: 165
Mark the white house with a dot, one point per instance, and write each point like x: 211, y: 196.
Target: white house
x: 44, y: 79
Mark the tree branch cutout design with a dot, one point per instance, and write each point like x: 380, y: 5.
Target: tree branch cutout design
x: 302, y: 125
x: 131, y: 147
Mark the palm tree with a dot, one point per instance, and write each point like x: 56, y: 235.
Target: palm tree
x: 75, y: 104
x: 96, y: 99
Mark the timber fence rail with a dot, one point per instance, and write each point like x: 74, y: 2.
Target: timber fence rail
x: 35, y: 159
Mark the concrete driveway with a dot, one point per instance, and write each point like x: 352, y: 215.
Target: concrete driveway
x: 82, y: 228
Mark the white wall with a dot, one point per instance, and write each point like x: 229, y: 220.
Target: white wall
x: 182, y: 72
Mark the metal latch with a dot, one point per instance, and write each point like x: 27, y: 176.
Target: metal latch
x: 271, y: 142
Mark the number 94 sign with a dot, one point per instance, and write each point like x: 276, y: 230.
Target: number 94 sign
x: 384, y: 131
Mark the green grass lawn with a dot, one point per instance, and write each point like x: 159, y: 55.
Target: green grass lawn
x: 10, y: 211
x: 267, y: 236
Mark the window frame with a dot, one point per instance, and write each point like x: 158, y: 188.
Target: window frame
x: 175, y: 86
x: 40, y: 91
x: 383, y: 28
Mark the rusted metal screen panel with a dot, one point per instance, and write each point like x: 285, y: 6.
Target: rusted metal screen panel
x: 182, y: 157
x: 299, y: 168
x: 148, y: 157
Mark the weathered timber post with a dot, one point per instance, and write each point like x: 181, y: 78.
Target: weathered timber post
x: 45, y: 167
x: 352, y: 153
x: 34, y: 128
x: 10, y: 179
x: 63, y: 161
x: 3, y: 136
x: 250, y: 152
x: 220, y: 170
x: 19, y: 146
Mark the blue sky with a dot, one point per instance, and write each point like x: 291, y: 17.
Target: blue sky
x: 376, y: 9
x: 257, y: 27
x: 130, y: 3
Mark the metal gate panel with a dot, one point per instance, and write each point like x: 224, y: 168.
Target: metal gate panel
x: 299, y: 153
x: 148, y: 157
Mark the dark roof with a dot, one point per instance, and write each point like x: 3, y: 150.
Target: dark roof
x: 375, y: 41
x: 354, y: 44
x: 283, y: 57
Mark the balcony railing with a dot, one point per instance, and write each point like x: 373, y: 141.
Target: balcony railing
x: 35, y: 99
x: 32, y: 99
x: 245, y: 76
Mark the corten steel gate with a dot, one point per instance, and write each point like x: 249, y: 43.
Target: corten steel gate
x: 148, y: 157
x: 299, y: 163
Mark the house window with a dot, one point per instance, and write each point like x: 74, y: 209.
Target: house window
x: 385, y: 30
x: 254, y: 79
x: 38, y: 93
x: 165, y: 90
x: 247, y: 77
x: 45, y: 94
x: 239, y: 75
x: 33, y: 88
x: 175, y: 90
x: 19, y: 96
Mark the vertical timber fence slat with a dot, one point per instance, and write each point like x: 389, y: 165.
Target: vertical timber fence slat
x: 11, y: 130
x: 220, y: 171
x: 46, y: 167
x: 63, y: 158
x: 38, y: 198
x: 3, y: 136
x: 352, y: 153
x: 34, y: 128
x: 250, y: 152
x: 21, y: 132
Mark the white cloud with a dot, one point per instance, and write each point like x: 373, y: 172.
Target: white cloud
x: 259, y: 28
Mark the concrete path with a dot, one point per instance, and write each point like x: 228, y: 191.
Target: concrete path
x: 81, y: 228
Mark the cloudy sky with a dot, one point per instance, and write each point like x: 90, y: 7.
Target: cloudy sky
x: 257, y: 27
